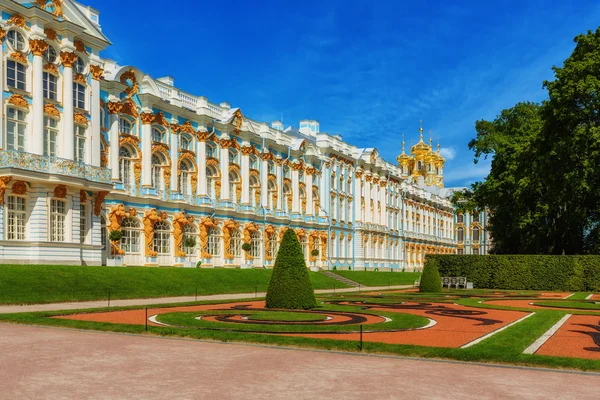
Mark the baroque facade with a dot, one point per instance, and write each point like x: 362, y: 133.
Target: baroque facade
x: 102, y: 164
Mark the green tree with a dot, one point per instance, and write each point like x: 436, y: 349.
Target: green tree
x: 430, y: 279
x: 542, y: 190
x: 290, y: 285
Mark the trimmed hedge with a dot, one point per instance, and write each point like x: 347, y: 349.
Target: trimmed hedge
x: 290, y: 285
x: 522, y: 272
x: 430, y: 279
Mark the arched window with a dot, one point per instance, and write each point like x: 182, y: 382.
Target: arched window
x: 158, y: 163
x: 476, y: 234
x: 304, y: 244
x: 287, y: 196
x: 235, y: 246
x: 158, y: 134
x: 233, y: 156
x: 212, y: 177
x: 271, y: 168
x: 131, y: 229
x: 419, y: 166
x: 190, y: 232
x: 460, y: 235
x: 214, y: 241
x: 272, y: 247
x: 50, y: 55
x: 211, y: 150
x: 125, y: 126
x: 186, y: 143
x: 162, y: 238
x: 460, y: 218
x: 79, y: 66
x: 303, y: 199
x: 255, y: 244
x: 254, y: 190
x: 16, y: 40
x: 234, y: 184
x: 475, y: 216
x: 16, y: 139
x: 125, y: 165
x: 272, y: 188
x: 286, y: 172
x: 184, y: 177
x: 80, y: 137
x: 253, y: 162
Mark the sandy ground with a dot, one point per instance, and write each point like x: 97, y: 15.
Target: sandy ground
x: 51, y: 363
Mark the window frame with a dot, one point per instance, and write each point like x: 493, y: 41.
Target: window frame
x: 58, y: 221
x: 16, y: 219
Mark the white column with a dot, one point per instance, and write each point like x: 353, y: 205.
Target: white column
x: 324, y: 194
x: 296, y: 191
x: 2, y: 144
x: 357, y: 198
x: 174, y: 159
x: 114, y: 140
x: 309, y: 192
x: 35, y: 142
x: 367, y: 200
x: 245, y: 176
x: 95, y: 113
x: 201, y: 159
x: 224, y: 171
x: 68, y: 58
x: 384, y: 218
x: 147, y: 118
x: 279, y: 172
x: 264, y: 183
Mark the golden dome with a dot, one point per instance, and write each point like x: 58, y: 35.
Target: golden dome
x: 421, y: 148
x: 403, y: 159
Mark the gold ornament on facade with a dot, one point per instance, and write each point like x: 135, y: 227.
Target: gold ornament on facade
x: 129, y: 79
x: 2, y: 34
x: 18, y: 56
x: 18, y: 100
x: 96, y: 71
x: 310, y: 171
x: 80, y: 47
x: 205, y: 225
x: 68, y: 58
x: 149, y: 220
x: 167, y: 178
x: 299, y: 166
x: 114, y: 107
x: 80, y: 119
x: 51, y: 34
x: 98, y: 201
x: 187, y: 127
x: 179, y: 221
x: 323, y: 237
x: 237, y: 121
x: 312, y: 238
x: 51, y: 110
x: 159, y: 119
x: 51, y: 68
x: 174, y: 128
x: 194, y: 183
x: 130, y: 108
x: 115, y: 218
x: 60, y: 191
x: 147, y: 118
x: 137, y: 172
x: 54, y: 7
x: 270, y: 231
x: 17, y: 20
x: 19, y: 187
x: 82, y: 196
x: 38, y: 46
x: 247, y: 150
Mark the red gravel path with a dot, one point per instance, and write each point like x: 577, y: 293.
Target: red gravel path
x: 569, y: 341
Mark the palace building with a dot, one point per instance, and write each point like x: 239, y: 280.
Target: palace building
x: 102, y: 164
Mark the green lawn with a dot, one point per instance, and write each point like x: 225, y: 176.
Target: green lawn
x: 371, y: 278
x: 27, y: 284
x: 584, y: 305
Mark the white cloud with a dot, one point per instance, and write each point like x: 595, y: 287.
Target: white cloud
x: 448, y: 153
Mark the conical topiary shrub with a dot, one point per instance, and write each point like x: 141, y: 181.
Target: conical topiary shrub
x: 290, y: 285
x: 430, y: 279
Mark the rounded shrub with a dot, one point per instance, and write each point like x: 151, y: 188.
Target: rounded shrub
x: 430, y: 279
x: 290, y: 286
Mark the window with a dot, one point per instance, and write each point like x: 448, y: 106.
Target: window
x: 460, y: 218
x: 304, y: 245
x: 130, y: 242
x: 214, y: 241
x: 460, y: 251
x: 125, y: 167
x: 157, y: 164
x: 50, y: 135
x: 157, y: 134
x: 162, y: 238
x: 475, y: 216
x: 476, y: 251
x: 211, y: 150
x: 254, y: 191
x: 79, y: 143
x: 271, y: 250
x: 58, y: 216
x: 255, y: 244
x: 476, y: 234
x: 16, y: 40
x: 15, y: 75
x: 15, y: 129
x: 16, y: 217
x: 235, y: 246
x: 79, y: 66
x: 460, y: 235
x: 233, y: 157
x: 125, y: 127
x: 189, y: 232
x: 50, y: 55
x: 287, y: 198
x: 83, y: 224
x: 234, y: 184
x: 212, y: 176
x: 184, y: 178
x: 186, y: 143
x: 253, y: 162
x: 50, y: 86
x: 78, y: 95
x: 271, y: 165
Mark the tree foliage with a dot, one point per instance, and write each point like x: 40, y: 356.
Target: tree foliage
x: 543, y: 192
x: 290, y: 285
x: 430, y: 280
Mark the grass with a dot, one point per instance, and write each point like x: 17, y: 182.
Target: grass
x: 31, y: 284
x: 371, y: 278
x: 583, y: 305
x: 284, y: 316
x: 506, y: 347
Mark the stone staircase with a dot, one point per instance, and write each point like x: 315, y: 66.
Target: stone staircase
x: 341, y: 279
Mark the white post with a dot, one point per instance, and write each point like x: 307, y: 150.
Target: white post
x: 147, y: 118
x: 224, y: 170
x: 309, y: 192
x: 95, y: 113
x: 246, y: 175
x: 279, y: 185
x: 174, y: 160
x: 35, y: 142
x: 113, y: 110
x: 68, y: 59
x: 201, y: 157
x: 296, y: 191
x: 264, y: 183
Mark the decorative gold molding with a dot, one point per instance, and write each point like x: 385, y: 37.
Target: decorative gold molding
x: 80, y: 47
x: 228, y: 228
x: 249, y: 228
x: 159, y: 119
x: 149, y: 220
x: 19, y: 187
x: 17, y: 20
x: 52, y: 6
x: 51, y: 68
x: 206, y: 223
x: 60, y: 191
x: 187, y: 127
x: 18, y: 100
x: 68, y: 58
x: 134, y: 88
x: 98, y: 201
x: 147, y: 118
x: 80, y: 119
x: 137, y: 172
x: 179, y: 221
x: 20, y: 57
x: 130, y: 108
x: 79, y: 78
x: 38, y: 46
x: 51, y: 34
x: 51, y: 110
x: 114, y: 107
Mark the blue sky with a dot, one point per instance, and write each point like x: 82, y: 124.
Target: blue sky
x: 368, y: 70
